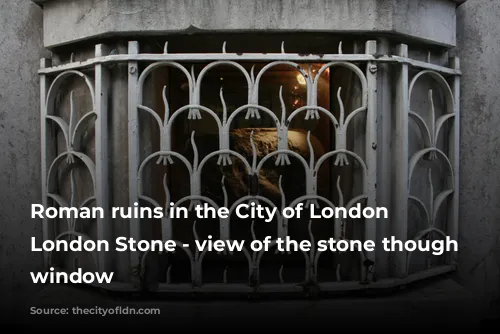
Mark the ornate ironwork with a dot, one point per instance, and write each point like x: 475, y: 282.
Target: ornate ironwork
x: 363, y: 66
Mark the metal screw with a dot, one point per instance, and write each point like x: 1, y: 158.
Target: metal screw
x: 373, y: 68
x: 131, y: 69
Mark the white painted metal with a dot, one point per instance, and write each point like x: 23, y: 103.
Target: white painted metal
x: 46, y: 154
x: 252, y: 109
x: 133, y: 148
x: 455, y: 156
x: 404, y: 164
x: 385, y: 97
x: 371, y: 152
x: 249, y: 57
x: 430, y: 132
x: 101, y: 155
x: 71, y: 152
x: 400, y: 156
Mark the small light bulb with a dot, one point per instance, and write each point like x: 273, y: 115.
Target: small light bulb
x: 300, y: 79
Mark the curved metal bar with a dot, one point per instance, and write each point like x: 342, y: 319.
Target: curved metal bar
x: 306, y: 108
x: 76, y: 234
x: 219, y: 63
x: 196, y: 197
x: 193, y: 106
x: 450, y: 103
x: 272, y: 64
x: 352, y: 154
x: 353, y: 68
x: 418, y: 155
x: 145, y: 73
x: 255, y: 106
x: 162, y: 153
x: 56, y: 84
x: 230, y: 152
x: 277, y: 152
x: 419, y: 236
x: 83, y: 157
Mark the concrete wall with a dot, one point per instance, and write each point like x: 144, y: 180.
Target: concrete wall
x: 72, y: 20
x: 478, y: 44
x: 20, y: 51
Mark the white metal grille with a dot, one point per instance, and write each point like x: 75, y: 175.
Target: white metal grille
x: 364, y: 66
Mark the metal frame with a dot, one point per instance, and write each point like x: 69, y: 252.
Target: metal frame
x: 404, y: 162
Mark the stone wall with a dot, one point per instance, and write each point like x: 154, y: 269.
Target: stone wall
x: 73, y: 20
x: 20, y: 52
x: 478, y: 45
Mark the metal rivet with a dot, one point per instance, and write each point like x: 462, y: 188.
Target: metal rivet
x: 131, y: 69
x: 373, y: 68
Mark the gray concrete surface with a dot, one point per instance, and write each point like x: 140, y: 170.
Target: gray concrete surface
x: 478, y: 36
x: 20, y: 52
x: 72, y: 20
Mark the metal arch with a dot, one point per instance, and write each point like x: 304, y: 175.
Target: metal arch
x: 441, y: 81
x: 148, y: 70
x: 58, y: 82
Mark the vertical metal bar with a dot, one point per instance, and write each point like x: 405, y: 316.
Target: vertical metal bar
x: 400, y: 154
x: 454, y: 157
x: 384, y: 160
x: 47, y: 227
x: 133, y: 145
x: 371, y: 147
x: 101, y: 155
